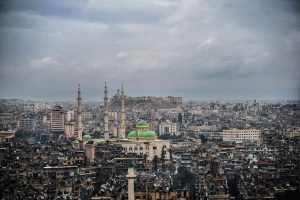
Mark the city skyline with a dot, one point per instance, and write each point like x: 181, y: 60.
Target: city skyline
x: 200, y: 50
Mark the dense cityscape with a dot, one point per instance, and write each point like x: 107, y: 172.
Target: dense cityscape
x: 145, y: 147
x: 149, y: 100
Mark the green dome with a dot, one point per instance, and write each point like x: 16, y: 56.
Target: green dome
x: 97, y: 141
x: 77, y: 139
x: 87, y: 137
x: 130, y: 165
x: 148, y: 134
x: 132, y: 134
x: 142, y: 124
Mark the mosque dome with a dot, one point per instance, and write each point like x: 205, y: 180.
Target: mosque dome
x: 142, y: 124
x: 132, y: 134
x: 97, y: 141
x: 130, y: 165
x: 87, y: 137
x: 148, y: 134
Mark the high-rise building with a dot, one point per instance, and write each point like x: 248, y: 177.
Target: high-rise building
x: 70, y: 128
x: 57, y: 119
x: 27, y: 124
x: 70, y: 115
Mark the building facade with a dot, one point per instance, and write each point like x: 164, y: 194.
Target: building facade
x: 167, y: 128
x: 57, y: 119
x: 239, y: 135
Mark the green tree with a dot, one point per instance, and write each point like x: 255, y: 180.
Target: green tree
x: 184, y: 178
x: 155, y: 162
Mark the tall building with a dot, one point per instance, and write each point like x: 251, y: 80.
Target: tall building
x: 57, y: 119
x: 130, y: 176
x: 70, y: 128
x: 79, y: 126
x: 70, y: 115
x: 27, y: 124
x: 106, y: 130
x: 122, y: 129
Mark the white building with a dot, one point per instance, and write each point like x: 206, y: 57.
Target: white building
x: 239, y: 135
x: 70, y: 115
x: 167, y: 128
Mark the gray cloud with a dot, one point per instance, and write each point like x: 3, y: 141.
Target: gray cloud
x: 198, y: 49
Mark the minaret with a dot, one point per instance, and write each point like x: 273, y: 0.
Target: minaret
x: 106, y: 131
x: 79, y: 117
x: 122, y: 115
x: 130, y: 177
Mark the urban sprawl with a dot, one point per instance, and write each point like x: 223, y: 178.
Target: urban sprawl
x: 149, y: 148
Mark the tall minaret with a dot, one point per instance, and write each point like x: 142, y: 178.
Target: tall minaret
x: 122, y: 115
x: 130, y: 176
x: 106, y: 131
x: 79, y: 117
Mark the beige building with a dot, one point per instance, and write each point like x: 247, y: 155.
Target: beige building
x: 239, y: 135
x: 70, y: 128
x: 57, y: 119
x: 291, y: 133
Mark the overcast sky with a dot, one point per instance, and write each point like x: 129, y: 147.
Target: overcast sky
x: 198, y: 49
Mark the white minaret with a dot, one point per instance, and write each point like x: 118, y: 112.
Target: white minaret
x: 130, y: 176
x: 106, y: 131
x: 79, y: 117
x: 121, y: 131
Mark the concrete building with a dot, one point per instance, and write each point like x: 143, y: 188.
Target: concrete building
x: 26, y: 124
x: 239, y: 135
x: 57, y: 119
x: 167, y: 128
x: 70, y: 115
x: 87, y: 116
x: 70, y: 128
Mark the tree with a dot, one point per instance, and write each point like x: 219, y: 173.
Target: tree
x: 155, y: 160
x: 163, y: 152
x: 184, y: 178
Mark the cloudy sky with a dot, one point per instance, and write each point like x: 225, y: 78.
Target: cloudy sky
x: 198, y: 49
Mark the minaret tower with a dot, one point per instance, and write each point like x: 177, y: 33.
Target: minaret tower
x: 106, y: 131
x: 130, y: 177
x: 122, y: 115
x: 79, y: 117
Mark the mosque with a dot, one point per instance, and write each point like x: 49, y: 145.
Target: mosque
x: 144, y: 141
x: 141, y: 141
